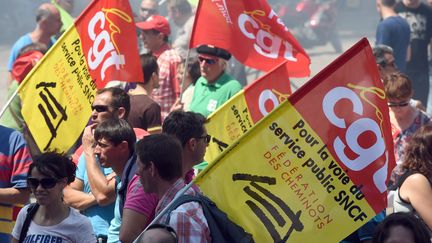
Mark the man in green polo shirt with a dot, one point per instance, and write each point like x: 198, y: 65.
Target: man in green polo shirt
x: 215, y: 86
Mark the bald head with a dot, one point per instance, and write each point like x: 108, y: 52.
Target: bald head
x: 45, y: 10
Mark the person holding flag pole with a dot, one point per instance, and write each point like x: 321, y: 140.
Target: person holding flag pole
x: 57, y: 94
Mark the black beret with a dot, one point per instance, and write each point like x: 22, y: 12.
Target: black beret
x: 213, y: 51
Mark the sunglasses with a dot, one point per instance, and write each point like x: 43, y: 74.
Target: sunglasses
x: 207, y: 60
x: 206, y: 138
x: 46, y: 183
x: 101, y: 108
x: 398, y: 104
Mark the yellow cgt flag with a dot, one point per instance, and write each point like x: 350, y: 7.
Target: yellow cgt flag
x: 57, y: 94
x: 286, y: 180
x: 55, y: 106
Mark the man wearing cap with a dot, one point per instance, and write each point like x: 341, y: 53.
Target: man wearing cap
x: 215, y: 86
x: 154, y: 33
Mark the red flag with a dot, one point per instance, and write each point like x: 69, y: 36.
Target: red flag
x: 252, y: 32
x: 110, y: 56
x: 352, y: 120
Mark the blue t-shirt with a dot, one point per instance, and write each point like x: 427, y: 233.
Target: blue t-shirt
x: 100, y: 216
x: 19, y: 44
x: 16, y: 48
x: 394, y: 31
x: 114, y: 228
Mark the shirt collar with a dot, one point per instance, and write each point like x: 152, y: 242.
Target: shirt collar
x: 170, y: 194
x: 163, y: 48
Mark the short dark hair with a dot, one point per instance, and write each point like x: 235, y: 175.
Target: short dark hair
x: 164, y: 151
x: 184, y: 125
x: 149, y: 66
x: 55, y: 165
x: 35, y: 46
x: 379, y: 51
x: 406, y: 219
x: 116, y: 130
x: 193, y: 69
x: 388, y: 3
x: 183, y: 6
x: 120, y: 98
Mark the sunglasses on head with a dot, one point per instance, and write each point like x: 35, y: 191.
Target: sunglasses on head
x: 206, y: 138
x: 398, y: 104
x: 207, y: 60
x: 46, y: 183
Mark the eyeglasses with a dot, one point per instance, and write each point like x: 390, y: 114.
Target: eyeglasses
x: 101, y: 108
x: 46, y: 183
x: 206, y: 138
x: 402, y: 104
x: 207, y: 60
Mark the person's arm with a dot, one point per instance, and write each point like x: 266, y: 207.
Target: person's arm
x: 133, y: 223
x: 417, y: 190
x: 76, y: 198
x: 102, y: 188
x: 14, y: 196
x: 20, y: 160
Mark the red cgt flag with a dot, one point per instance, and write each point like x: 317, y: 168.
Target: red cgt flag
x: 252, y: 32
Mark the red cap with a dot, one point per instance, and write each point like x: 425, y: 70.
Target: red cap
x: 24, y: 64
x: 155, y: 22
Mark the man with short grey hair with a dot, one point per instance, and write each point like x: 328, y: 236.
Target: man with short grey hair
x: 48, y: 23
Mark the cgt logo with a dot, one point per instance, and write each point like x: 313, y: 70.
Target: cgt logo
x: 364, y: 156
x: 104, y: 51
x: 266, y: 43
x: 270, y: 99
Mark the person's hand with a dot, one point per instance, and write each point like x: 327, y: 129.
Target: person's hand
x: 178, y: 105
x: 88, y: 141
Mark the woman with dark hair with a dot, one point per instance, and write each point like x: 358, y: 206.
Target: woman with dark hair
x: 51, y: 219
x: 414, y: 190
x: 401, y: 227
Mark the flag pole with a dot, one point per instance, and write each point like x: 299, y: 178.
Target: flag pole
x: 165, y: 210
x: 186, y: 63
x: 9, y: 101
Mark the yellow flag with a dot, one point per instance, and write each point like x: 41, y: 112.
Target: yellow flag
x: 57, y: 94
x: 287, y: 180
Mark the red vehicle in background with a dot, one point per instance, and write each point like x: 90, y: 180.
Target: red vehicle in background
x: 312, y: 22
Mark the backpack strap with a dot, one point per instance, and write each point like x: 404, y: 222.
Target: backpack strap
x: 180, y: 201
x: 31, y: 211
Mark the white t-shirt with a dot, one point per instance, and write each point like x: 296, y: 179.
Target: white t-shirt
x: 76, y: 228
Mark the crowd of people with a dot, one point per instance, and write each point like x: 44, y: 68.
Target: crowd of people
x: 144, y: 138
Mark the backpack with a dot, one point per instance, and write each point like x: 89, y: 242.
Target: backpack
x: 222, y: 229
